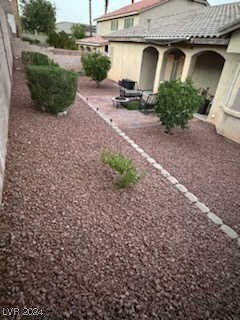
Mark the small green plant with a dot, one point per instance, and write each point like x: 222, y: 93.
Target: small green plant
x: 127, y: 171
x: 132, y: 105
x: 176, y: 102
x: 96, y: 66
x: 37, y: 58
x: 52, y: 89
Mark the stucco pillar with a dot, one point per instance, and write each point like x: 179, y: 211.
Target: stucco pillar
x: 158, y: 72
x: 188, y: 67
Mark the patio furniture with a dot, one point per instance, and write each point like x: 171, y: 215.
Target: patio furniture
x: 127, y: 84
x: 147, y: 102
x: 130, y: 93
x: 129, y: 89
x: 118, y: 101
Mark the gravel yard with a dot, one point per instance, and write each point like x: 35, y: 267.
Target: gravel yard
x: 205, y: 162
x: 78, y: 248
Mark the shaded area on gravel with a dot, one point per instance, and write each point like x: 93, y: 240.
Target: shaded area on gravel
x: 206, y: 163
x: 81, y: 249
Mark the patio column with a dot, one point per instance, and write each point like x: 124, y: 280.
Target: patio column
x: 188, y: 67
x: 158, y: 72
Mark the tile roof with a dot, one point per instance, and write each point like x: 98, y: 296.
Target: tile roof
x: 98, y: 40
x: 203, y: 23
x: 137, y: 7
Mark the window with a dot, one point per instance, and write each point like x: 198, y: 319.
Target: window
x: 128, y: 23
x: 114, y: 25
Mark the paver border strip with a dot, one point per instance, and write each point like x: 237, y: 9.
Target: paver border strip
x: 231, y: 233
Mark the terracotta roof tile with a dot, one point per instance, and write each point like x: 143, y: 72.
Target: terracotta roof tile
x: 136, y: 7
x: 98, y: 40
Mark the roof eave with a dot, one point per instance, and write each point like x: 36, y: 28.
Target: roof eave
x: 117, y: 16
x: 233, y: 26
x: 125, y: 39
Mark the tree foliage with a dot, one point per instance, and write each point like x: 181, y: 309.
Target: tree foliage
x: 38, y: 16
x: 78, y: 31
x: 176, y: 102
x: 96, y: 66
x: 61, y: 40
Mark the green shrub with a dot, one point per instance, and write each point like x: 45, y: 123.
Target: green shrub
x: 128, y: 173
x: 37, y: 58
x: 62, y: 41
x: 132, y: 105
x: 176, y: 102
x: 52, y: 89
x: 30, y: 40
x: 96, y: 66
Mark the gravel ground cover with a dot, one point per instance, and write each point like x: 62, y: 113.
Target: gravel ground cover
x: 77, y: 247
x: 205, y: 162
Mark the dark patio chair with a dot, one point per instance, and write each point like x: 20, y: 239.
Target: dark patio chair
x: 134, y: 92
x: 147, y: 102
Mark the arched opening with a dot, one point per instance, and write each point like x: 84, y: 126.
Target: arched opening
x: 148, y: 70
x: 206, y: 72
x: 173, y: 62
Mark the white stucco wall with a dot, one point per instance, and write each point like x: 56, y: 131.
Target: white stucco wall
x: 234, y: 44
x: 126, y: 61
x: 6, y: 61
x: 223, y: 112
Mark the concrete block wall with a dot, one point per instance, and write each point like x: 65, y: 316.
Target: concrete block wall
x: 6, y: 62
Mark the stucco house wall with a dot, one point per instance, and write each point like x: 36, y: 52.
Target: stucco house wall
x: 104, y: 27
x: 127, y: 61
x: 225, y: 111
x: 164, y: 9
x: 6, y: 62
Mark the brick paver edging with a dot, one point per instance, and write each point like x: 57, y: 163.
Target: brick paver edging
x: 232, y: 234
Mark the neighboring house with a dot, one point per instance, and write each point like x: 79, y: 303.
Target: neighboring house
x: 202, y: 44
x: 141, y: 12
x: 7, y: 8
x: 93, y: 44
x: 66, y: 27
x: 138, y: 13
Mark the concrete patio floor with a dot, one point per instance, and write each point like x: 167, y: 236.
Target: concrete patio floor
x: 102, y: 98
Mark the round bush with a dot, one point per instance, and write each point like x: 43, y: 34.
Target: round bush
x: 52, y: 89
x: 176, y: 102
x: 37, y: 58
x: 96, y: 66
